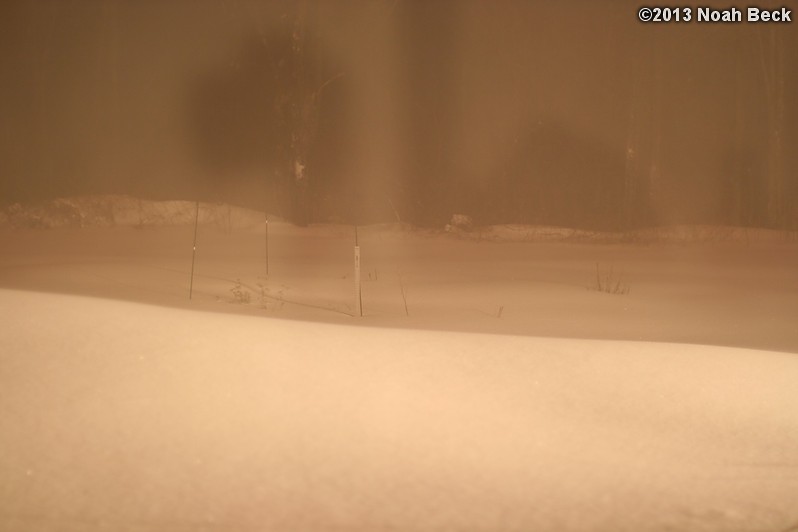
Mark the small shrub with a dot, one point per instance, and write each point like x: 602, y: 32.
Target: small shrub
x: 240, y: 294
x: 404, y: 294
x: 609, y: 282
x: 264, y: 294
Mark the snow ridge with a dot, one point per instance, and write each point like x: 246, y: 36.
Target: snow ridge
x: 121, y: 210
x: 118, y: 210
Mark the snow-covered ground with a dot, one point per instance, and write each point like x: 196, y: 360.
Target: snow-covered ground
x: 488, y: 386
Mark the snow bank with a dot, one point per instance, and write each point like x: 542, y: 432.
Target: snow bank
x: 117, y: 210
x: 111, y: 210
x: 119, y: 416
x: 654, y: 235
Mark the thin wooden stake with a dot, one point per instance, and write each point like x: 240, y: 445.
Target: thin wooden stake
x: 404, y: 295
x: 193, y: 253
x: 267, y: 245
x: 358, y: 293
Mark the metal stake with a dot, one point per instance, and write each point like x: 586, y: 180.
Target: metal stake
x: 193, y: 253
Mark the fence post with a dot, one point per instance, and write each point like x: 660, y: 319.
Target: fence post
x: 267, y: 245
x: 358, y: 296
x: 193, y: 253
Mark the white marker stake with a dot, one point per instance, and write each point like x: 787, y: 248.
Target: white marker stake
x: 267, y: 245
x: 193, y: 253
x: 358, y: 299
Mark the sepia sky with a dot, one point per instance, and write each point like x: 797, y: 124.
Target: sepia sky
x: 96, y: 97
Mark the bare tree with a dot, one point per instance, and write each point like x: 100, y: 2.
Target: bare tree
x: 303, y: 114
x: 49, y: 13
x: 771, y: 58
x: 655, y: 178
x: 631, y: 186
x: 642, y: 173
x: 308, y: 87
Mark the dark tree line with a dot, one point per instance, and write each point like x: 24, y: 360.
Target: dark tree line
x: 274, y: 111
x: 282, y: 109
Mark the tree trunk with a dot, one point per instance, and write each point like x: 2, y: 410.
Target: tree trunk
x: 654, y: 184
x: 772, y: 62
x: 738, y: 171
x: 301, y: 113
x: 631, y: 195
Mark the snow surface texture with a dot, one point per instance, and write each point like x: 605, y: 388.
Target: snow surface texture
x: 132, y: 411
x: 105, y: 211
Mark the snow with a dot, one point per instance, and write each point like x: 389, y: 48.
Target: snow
x: 116, y: 210
x: 126, y: 406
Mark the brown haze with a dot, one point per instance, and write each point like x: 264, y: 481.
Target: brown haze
x: 510, y: 111
x: 234, y: 297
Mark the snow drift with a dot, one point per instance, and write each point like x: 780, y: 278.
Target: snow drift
x: 118, y: 416
x: 491, y: 385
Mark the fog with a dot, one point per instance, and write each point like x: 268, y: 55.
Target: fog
x: 571, y: 114
x: 396, y: 265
